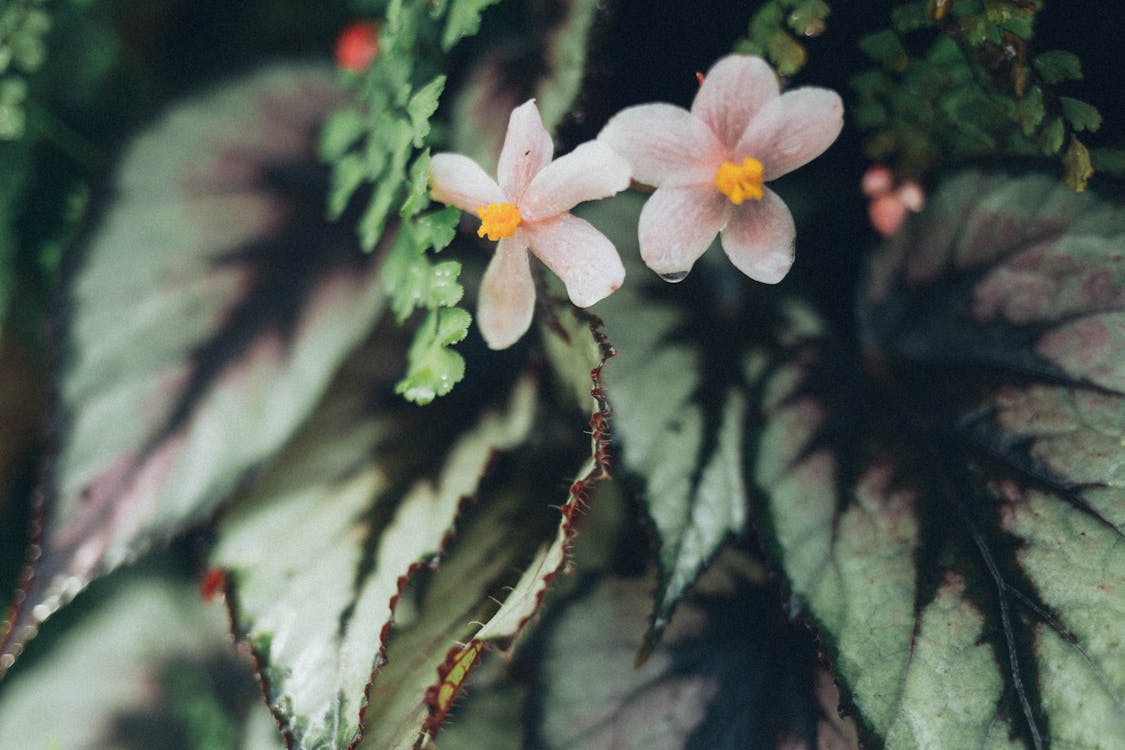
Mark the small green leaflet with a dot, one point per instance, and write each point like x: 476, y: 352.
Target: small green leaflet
x: 1057, y: 66
x: 375, y: 141
x: 433, y: 368
x: 463, y: 20
x: 413, y: 281
x: 1080, y: 115
x: 410, y: 279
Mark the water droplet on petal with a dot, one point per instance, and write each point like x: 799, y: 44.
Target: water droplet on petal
x: 674, y: 277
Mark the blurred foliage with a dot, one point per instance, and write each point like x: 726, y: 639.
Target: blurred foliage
x: 961, y: 78
x: 775, y: 30
x: 41, y: 193
x: 23, y: 27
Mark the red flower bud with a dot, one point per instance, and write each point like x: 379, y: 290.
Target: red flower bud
x: 357, y: 46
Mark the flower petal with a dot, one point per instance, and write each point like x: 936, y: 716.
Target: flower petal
x: 580, y: 255
x: 665, y: 145
x: 792, y: 130
x: 591, y: 171
x: 732, y: 93
x: 459, y: 181
x: 527, y: 149
x: 759, y: 239
x: 677, y: 225
x: 507, y: 294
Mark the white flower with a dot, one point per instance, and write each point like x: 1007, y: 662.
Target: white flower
x: 530, y: 210
x: 709, y: 166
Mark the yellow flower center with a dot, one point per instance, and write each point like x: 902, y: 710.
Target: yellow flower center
x: 498, y: 220
x: 739, y: 182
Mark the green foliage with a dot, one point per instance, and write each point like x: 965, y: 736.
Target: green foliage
x: 886, y: 49
x: 174, y: 328
x: 171, y: 666
x: 1058, y: 66
x: 23, y: 27
x: 723, y: 696
x: 555, y: 49
x: 951, y: 519
x: 433, y: 369
x: 936, y: 491
x: 975, y: 88
x: 375, y: 140
x: 775, y: 28
x: 1080, y: 115
x: 316, y: 592
x: 463, y: 20
x: 12, y: 179
x: 1109, y: 160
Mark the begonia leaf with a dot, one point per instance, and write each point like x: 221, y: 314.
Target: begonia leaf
x: 681, y: 389
x: 317, y: 554
x: 372, y: 548
x: 491, y: 543
x: 493, y: 719
x: 950, y: 513
x: 545, y: 61
x: 205, y: 314
x: 150, y: 667
x: 730, y: 673
x: 430, y: 655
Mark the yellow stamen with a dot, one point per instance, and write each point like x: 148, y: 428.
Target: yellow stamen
x: 498, y: 220
x: 740, y: 182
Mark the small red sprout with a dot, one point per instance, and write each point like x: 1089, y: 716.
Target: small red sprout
x: 357, y: 46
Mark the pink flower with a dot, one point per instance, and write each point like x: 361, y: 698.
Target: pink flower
x: 530, y: 210
x: 709, y: 166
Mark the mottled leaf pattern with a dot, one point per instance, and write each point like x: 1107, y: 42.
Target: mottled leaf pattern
x: 152, y: 667
x: 680, y: 412
x: 317, y: 554
x: 951, y: 515
x: 547, y: 62
x: 425, y: 665
x: 323, y: 555
x: 730, y: 672
x: 205, y: 315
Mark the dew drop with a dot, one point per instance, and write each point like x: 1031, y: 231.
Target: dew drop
x: 674, y: 277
